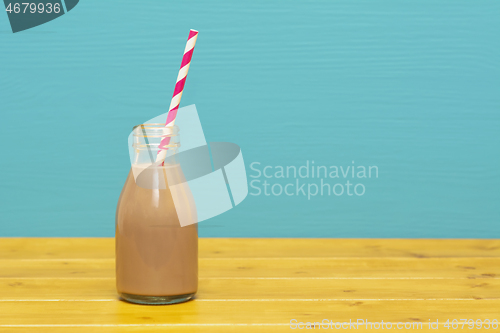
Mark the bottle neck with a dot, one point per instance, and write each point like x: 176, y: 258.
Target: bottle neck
x: 148, y: 145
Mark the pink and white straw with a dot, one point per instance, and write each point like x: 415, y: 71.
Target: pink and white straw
x: 179, y: 87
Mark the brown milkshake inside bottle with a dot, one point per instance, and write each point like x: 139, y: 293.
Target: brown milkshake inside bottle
x: 156, y: 258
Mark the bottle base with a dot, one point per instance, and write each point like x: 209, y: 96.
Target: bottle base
x: 155, y: 300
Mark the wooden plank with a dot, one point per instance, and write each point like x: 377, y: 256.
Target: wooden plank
x: 463, y: 268
x: 95, y: 248
x: 50, y: 248
x: 353, y: 268
x: 254, y: 289
x: 235, y: 312
x: 304, y: 248
x: 231, y: 328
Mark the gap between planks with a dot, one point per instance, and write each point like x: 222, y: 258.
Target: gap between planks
x: 269, y: 300
x: 265, y: 278
x: 265, y: 258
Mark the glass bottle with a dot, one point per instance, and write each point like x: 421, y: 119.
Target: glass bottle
x: 156, y: 258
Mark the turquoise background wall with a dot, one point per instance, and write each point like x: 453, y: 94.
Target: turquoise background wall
x: 410, y: 87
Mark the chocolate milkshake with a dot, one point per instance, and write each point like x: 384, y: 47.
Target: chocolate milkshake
x: 156, y: 258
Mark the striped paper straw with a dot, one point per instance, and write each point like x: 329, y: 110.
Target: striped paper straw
x: 179, y: 87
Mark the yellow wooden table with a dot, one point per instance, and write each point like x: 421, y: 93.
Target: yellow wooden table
x: 256, y: 285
